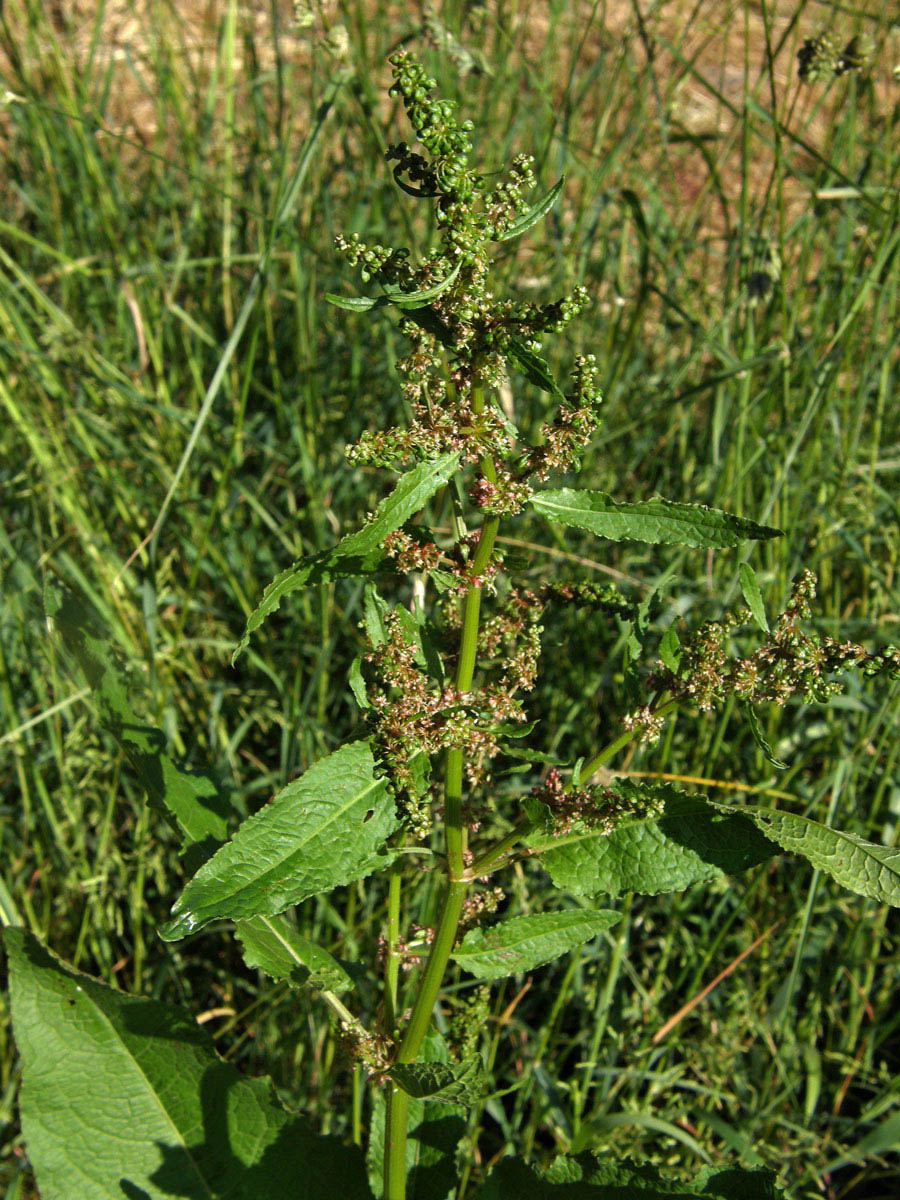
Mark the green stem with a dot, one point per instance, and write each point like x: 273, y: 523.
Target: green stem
x: 420, y: 1019
x: 392, y: 957
x: 397, y: 1108
x: 602, y: 757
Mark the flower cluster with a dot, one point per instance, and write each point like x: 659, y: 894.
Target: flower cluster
x: 413, y: 717
x: 790, y: 661
x: 356, y: 1044
x: 599, y: 808
x: 463, y: 339
x: 820, y: 57
x: 480, y: 904
x: 411, y: 952
x: 411, y: 553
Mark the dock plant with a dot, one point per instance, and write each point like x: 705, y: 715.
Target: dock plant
x: 126, y: 1097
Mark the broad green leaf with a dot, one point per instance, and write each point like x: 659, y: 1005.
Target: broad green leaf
x: 524, y: 943
x: 863, y: 867
x: 358, y: 553
x: 753, y: 596
x: 190, y: 801
x: 583, y: 1177
x: 435, y: 1129
x: 322, y: 830
x: 655, y: 521
x: 691, y: 842
x: 533, y: 367
x: 273, y: 945
x: 453, y: 1083
x: 532, y: 215
x: 126, y: 1098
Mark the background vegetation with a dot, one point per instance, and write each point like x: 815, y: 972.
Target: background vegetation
x: 738, y: 232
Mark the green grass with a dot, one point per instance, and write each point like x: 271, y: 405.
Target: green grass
x: 126, y: 255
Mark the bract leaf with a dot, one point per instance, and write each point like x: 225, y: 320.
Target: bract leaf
x: 353, y: 303
x: 358, y: 553
x: 654, y: 521
x: 534, y: 368
x: 322, y: 830
x: 453, y: 1083
x: 274, y: 945
x: 532, y: 215
x: 523, y: 943
x: 125, y: 1097
x: 417, y: 299
x: 863, y: 867
x: 670, y: 650
x: 759, y: 737
x: 690, y: 842
x: 753, y: 596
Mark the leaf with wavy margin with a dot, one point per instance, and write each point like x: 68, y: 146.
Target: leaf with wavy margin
x: 523, y: 943
x: 863, y: 867
x: 692, y: 841
x: 654, y: 521
x: 324, y: 829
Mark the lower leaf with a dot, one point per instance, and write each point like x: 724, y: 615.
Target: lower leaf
x: 126, y: 1097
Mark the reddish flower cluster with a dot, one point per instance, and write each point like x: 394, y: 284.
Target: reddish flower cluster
x: 411, y: 554
x: 599, y: 808
x: 478, y: 905
x: 414, y: 716
x: 790, y: 661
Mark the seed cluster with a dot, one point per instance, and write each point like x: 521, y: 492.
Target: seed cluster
x: 821, y: 58
x: 414, y: 716
x: 790, y: 661
x: 599, y: 808
x: 462, y: 336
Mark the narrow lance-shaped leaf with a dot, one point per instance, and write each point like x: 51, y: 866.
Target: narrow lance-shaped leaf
x: 324, y: 829
x: 394, y: 295
x: 689, y: 840
x: 191, y: 801
x: 125, y: 1097
x: 524, y: 943
x: 424, y: 295
x: 274, y: 945
x: 534, y: 368
x: 759, y: 737
x: 359, y: 552
x: 530, y: 217
x: 653, y: 521
x: 863, y: 867
x: 753, y: 596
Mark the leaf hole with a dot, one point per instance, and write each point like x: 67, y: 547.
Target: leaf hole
x: 369, y: 815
